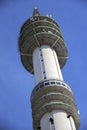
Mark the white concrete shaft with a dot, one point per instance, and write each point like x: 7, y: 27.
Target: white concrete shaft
x: 57, y: 120
x: 46, y: 65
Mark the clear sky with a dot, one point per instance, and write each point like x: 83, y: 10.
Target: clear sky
x: 16, y: 83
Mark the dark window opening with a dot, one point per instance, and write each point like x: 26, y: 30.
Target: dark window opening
x: 68, y: 116
x: 52, y: 82
x: 44, y: 72
x: 38, y: 128
x: 37, y: 89
x: 47, y: 83
x: 58, y: 83
x: 44, y: 77
x: 63, y: 84
x: 41, y: 85
x: 51, y: 121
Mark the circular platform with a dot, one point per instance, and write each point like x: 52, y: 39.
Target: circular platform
x: 38, y: 31
x: 50, y: 98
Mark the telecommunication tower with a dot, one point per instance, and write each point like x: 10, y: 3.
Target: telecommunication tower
x: 43, y: 53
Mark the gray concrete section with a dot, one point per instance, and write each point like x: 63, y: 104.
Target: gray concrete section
x: 37, y: 31
x: 53, y: 98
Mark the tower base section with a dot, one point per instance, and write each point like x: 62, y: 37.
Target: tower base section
x: 54, y: 99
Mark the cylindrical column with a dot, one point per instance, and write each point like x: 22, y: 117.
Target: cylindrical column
x: 57, y: 120
x: 46, y: 65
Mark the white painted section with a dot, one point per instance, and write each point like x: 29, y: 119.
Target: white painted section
x: 57, y: 65
x: 38, y: 69
x: 46, y: 65
x: 44, y: 123
x: 61, y: 122
x: 72, y: 123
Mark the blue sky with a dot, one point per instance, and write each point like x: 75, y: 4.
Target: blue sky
x: 16, y: 83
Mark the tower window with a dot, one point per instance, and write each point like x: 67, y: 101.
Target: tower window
x: 37, y: 89
x: 41, y: 85
x: 51, y: 121
x: 44, y: 77
x: 38, y: 128
x: 52, y: 82
x: 47, y: 83
x: 58, y: 83
x: 63, y: 84
x: 68, y: 116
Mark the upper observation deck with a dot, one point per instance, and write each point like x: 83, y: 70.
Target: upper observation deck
x: 37, y: 31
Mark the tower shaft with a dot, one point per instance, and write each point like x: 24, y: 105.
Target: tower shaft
x: 46, y: 65
x: 46, y: 68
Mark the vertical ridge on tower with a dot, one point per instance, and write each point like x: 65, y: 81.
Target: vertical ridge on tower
x: 43, y: 53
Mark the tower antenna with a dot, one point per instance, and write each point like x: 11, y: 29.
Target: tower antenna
x: 36, y: 12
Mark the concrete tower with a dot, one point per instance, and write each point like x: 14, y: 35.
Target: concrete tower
x: 43, y: 53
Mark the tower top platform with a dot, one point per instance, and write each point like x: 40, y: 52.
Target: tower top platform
x: 37, y: 31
